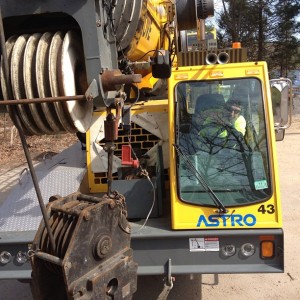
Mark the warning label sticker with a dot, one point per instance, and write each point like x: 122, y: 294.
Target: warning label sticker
x: 204, y: 244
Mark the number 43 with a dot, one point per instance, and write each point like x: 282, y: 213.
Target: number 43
x: 270, y: 209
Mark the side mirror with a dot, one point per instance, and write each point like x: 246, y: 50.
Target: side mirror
x: 281, y: 92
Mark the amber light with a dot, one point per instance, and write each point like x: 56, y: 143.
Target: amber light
x: 267, y: 249
x: 236, y: 45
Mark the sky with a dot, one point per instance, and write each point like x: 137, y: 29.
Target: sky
x: 218, y: 7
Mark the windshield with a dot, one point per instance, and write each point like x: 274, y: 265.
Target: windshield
x: 221, y: 133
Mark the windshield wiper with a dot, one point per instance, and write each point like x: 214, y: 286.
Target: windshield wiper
x: 198, y: 175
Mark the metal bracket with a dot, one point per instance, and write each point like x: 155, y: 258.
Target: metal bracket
x: 168, y: 283
x: 92, y: 91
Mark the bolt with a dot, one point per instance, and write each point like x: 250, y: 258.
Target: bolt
x: 103, y: 246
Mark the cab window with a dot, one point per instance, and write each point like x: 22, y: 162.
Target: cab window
x: 221, y: 141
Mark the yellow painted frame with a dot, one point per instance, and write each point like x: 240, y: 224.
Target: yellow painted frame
x: 187, y: 216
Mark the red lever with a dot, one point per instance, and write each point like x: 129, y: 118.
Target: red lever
x: 126, y: 157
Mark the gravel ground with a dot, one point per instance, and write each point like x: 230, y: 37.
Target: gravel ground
x: 11, y: 151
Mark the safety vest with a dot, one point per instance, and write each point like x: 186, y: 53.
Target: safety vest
x: 213, y: 129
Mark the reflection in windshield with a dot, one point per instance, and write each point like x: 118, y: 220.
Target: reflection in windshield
x: 194, y: 170
x: 221, y: 130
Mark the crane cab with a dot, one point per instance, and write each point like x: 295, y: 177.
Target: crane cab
x: 223, y: 147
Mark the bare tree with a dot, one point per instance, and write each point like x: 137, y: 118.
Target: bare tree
x: 285, y: 55
x: 265, y: 27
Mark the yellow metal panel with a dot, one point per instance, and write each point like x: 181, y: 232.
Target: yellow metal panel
x: 148, y: 35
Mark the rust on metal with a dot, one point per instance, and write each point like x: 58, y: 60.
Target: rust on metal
x: 113, y: 79
x: 93, y: 259
x: 43, y: 100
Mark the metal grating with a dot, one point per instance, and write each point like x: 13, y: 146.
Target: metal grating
x: 195, y: 58
x: 60, y: 175
x: 141, y: 141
